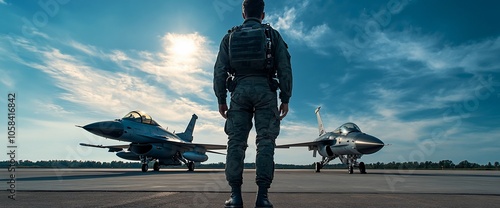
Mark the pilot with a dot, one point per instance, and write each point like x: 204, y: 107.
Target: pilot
x: 252, y: 73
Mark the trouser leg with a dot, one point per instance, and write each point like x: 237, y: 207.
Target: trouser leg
x: 267, y: 124
x: 238, y: 126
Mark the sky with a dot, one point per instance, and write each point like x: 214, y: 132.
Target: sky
x: 421, y: 75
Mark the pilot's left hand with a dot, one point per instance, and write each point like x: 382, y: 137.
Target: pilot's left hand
x: 223, y: 110
x: 283, y: 110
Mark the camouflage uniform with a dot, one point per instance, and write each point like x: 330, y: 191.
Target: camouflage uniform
x: 253, y: 96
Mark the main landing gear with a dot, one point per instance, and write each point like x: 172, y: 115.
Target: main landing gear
x: 318, y: 166
x: 362, y: 168
x: 145, y: 161
x: 144, y: 168
x: 350, y: 160
x: 156, y: 166
x: 323, y: 162
x: 189, y: 164
x: 145, y: 164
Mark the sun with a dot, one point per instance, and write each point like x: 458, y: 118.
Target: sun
x: 183, y: 46
x: 184, y: 49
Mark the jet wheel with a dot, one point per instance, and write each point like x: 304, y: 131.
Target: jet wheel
x: 144, y: 167
x: 190, y: 165
x: 351, y: 169
x: 362, y: 168
x: 318, y: 167
x: 156, y: 166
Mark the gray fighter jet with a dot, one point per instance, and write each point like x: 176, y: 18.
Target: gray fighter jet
x: 347, y: 142
x: 150, y: 142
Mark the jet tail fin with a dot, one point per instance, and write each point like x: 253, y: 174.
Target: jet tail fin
x: 320, y: 122
x: 187, y: 135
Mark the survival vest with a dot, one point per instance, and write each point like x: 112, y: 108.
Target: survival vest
x: 250, y: 50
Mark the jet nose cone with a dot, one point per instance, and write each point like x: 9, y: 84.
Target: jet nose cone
x: 108, y: 129
x: 366, y: 144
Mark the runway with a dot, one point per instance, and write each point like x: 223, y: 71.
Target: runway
x: 291, y: 188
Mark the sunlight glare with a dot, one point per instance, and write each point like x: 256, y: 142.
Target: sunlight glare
x: 183, y: 46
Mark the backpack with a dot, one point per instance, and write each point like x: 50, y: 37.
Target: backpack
x: 250, y: 50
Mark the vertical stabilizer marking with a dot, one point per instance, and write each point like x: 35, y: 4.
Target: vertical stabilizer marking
x: 320, y: 122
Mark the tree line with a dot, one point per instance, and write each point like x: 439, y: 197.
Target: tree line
x: 428, y: 165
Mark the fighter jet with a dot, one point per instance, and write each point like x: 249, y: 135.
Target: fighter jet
x: 150, y: 142
x: 347, y: 142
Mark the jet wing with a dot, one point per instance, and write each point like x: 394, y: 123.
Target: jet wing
x: 308, y: 144
x: 185, y: 145
x: 112, y: 148
x: 214, y: 152
x: 304, y: 144
x: 188, y: 145
x: 210, y: 146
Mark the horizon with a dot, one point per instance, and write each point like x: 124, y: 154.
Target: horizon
x: 423, y: 76
x: 401, y: 165
x: 131, y: 161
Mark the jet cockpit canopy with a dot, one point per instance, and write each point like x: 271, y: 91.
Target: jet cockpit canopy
x: 140, y: 117
x: 347, y: 128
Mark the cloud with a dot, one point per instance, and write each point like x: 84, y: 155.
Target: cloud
x: 3, y: 2
x: 183, y: 65
x: 7, y: 81
x: 411, y: 73
x: 389, y: 107
x: 158, y: 82
x: 421, y: 83
x: 101, y: 83
x: 46, y: 106
x: 287, y: 21
x: 392, y: 49
x: 87, y: 49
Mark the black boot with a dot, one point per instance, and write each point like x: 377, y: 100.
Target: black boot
x: 262, y: 201
x: 235, y: 201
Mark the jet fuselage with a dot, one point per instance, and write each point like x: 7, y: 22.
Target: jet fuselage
x: 354, y: 143
x: 149, y: 141
x: 129, y: 131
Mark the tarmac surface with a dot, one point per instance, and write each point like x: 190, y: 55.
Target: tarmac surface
x: 291, y: 188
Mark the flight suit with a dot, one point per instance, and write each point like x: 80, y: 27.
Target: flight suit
x: 253, y: 97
